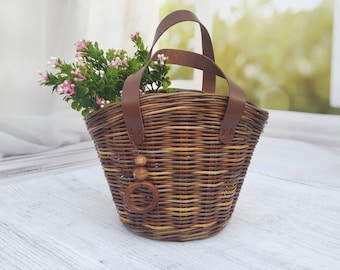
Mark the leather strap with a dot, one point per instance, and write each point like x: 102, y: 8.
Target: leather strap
x: 131, y: 103
x: 207, y: 48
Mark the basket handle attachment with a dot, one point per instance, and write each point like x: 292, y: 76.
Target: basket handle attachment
x: 131, y: 95
x: 179, y: 16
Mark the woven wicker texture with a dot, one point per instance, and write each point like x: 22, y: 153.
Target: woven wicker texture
x: 197, y: 179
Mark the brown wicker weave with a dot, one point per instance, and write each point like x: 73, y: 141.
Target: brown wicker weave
x: 185, y: 182
x: 198, y: 178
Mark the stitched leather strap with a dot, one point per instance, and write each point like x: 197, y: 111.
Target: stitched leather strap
x: 207, y: 48
x: 131, y: 103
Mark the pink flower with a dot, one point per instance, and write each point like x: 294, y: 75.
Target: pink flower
x: 134, y: 36
x: 117, y: 62
x: 81, y: 45
x: 43, y: 79
x: 66, y: 88
x: 80, y: 62
x: 161, y: 59
x: 54, y: 62
x: 79, y: 77
x: 101, y: 102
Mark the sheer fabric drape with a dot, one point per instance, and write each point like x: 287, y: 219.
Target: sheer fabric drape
x: 31, y: 119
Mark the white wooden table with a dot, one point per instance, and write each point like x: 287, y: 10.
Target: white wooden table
x: 56, y: 210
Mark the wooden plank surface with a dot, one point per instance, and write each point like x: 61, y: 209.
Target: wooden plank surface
x: 287, y: 217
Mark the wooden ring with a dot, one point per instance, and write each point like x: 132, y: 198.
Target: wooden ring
x: 132, y: 207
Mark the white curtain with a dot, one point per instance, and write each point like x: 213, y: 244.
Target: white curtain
x: 31, y: 118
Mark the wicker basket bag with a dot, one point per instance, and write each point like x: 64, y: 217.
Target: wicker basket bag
x: 175, y: 162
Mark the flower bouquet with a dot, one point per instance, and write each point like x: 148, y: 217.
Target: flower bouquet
x: 96, y: 78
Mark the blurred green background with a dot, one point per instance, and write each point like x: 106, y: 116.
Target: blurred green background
x: 281, y: 59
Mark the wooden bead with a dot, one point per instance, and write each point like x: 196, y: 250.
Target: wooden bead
x: 141, y: 160
x: 140, y: 173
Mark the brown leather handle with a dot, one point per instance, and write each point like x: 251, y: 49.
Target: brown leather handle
x: 207, y: 48
x: 131, y: 99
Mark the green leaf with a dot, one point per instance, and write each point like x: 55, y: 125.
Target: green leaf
x: 79, y: 107
x: 165, y: 84
x: 74, y: 105
x: 85, y: 112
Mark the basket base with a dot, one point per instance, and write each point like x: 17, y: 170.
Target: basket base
x: 164, y: 233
